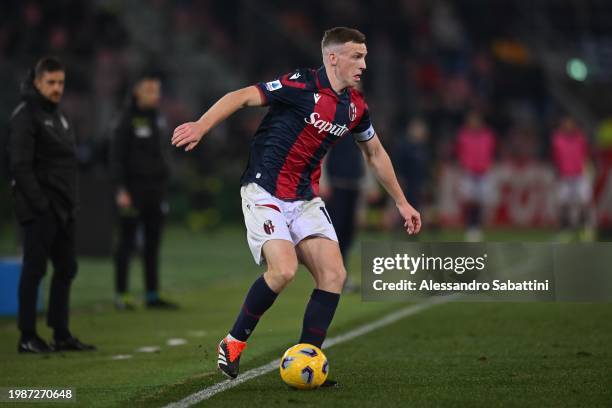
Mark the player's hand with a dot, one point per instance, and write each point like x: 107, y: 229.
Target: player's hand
x: 188, y: 134
x: 123, y: 198
x: 412, y: 218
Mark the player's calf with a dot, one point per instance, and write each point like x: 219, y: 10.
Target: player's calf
x: 318, y: 316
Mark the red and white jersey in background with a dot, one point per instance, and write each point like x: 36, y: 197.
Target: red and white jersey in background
x: 570, y: 152
x: 476, y: 149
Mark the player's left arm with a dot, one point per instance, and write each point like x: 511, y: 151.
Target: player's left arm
x: 377, y: 158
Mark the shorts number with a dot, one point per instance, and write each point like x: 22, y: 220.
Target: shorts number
x: 325, y: 213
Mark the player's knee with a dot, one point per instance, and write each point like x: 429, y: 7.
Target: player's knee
x: 283, y: 274
x: 334, y: 278
x: 288, y: 273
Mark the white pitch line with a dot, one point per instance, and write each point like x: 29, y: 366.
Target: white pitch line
x: 208, y: 392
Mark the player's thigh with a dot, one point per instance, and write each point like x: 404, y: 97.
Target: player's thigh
x: 281, y: 258
x: 264, y: 221
x: 282, y: 263
x: 323, y: 259
x: 313, y: 220
x: 317, y: 245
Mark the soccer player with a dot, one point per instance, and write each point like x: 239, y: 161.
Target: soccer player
x: 286, y: 220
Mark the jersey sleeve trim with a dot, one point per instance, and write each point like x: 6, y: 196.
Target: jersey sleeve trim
x: 366, y: 135
x: 264, y: 98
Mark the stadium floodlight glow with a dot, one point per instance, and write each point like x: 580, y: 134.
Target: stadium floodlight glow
x: 577, y: 69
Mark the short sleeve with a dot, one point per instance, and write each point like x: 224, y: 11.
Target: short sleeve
x: 364, y: 130
x: 282, y: 90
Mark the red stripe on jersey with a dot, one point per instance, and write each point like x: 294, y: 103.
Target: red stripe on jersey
x: 295, y: 84
x: 314, y: 179
x: 317, y: 79
x: 302, y: 151
x: 272, y: 206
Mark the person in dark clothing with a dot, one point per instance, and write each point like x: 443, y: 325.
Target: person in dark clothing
x: 345, y: 170
x: 412, y: 158
x: 141, y: 172
x: 44, y: 179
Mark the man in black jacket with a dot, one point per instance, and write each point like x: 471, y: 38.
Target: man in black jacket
x: 345, y: 171
x: 44, y: 172
x: 141, y: 172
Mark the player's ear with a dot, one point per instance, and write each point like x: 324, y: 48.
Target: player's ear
x: 333, y: 58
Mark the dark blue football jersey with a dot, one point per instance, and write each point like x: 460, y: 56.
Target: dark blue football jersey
x: 306, y: 117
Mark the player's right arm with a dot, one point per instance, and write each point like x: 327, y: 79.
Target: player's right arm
x: 189, y: 134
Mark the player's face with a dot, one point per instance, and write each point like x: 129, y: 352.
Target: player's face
x: 350, y: 63
x: 51, y: 85
x: 148, y: 93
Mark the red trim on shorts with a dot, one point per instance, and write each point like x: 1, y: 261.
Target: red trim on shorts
x: 272, y: 206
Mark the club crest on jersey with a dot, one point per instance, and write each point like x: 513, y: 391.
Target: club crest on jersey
x: 325, y: 125
x: 352, y: 112
x: 268, y: 227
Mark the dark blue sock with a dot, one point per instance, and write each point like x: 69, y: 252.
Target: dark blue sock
x: 318, y: 316
x: 258, y: 300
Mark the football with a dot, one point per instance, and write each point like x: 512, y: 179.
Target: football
x: 304, y: 367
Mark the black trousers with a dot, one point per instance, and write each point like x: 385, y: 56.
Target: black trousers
x: 342, y: 207
x: 146, y: 212
x: 47, y: 238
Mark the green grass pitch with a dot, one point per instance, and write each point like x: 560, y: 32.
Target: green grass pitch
x: 454, y: 354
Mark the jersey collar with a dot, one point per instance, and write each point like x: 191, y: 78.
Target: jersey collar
x: 324, y: 84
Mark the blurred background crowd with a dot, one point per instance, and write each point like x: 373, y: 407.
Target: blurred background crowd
x: 517, y: 71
